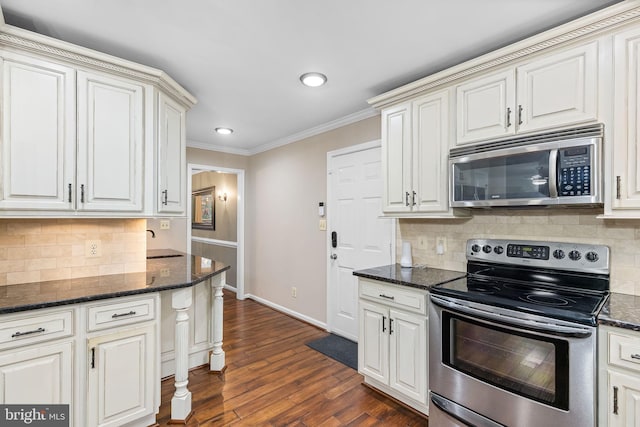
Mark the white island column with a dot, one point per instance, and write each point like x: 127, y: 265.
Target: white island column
x: 181, y: 300
x: 217, y: 361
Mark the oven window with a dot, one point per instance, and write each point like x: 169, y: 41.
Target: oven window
x: 529, y: 365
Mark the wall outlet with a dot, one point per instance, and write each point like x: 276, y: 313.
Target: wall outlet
x: 165, y: 272
x: 441, y: 245
x: 165, y: 224
x: 294, y: 292
x: 93, y: 248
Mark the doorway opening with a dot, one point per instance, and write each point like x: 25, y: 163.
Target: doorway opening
x: 217, y: 232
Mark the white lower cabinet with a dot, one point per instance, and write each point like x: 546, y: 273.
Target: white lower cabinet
x: 392, y: 342
x: 121, y: 382
x: 619, y: 377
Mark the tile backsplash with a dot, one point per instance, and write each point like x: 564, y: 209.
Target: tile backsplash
x: 563, y: 225
x: 35, y: 250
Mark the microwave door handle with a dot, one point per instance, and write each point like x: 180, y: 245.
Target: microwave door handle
x: 553, y: 174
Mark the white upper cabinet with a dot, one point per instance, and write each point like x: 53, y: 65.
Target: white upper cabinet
x: 38, y: 134
x: 625, y: 185
x: 554, y: 90
x: 171, y: 177
x: 396, y: 158
x: 485, y: 107
x: 110, y: 143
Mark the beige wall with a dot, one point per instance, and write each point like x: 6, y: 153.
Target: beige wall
x: 34, y: 250
x: 566, y: 225
x: 287, y: 248
x: 173, y: 238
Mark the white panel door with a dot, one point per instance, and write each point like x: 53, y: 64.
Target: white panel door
x: 558, y: 90
x: 363, y: 238
x: 430, y: 152
x: 373, y: 350
x: 122, y: 377
x: 40, y: 375
x: 485, y: 107
x: 38, y: 134
x: 110, y: 143
x: 172, y: 161
x: 396, y: 158
x: 407, y: 355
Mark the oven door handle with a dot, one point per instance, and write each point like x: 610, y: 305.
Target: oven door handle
x: 549, y: 328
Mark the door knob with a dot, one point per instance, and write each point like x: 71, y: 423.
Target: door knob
x: 334, y: 256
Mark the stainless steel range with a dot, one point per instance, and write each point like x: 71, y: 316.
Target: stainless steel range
x: 514, y: 342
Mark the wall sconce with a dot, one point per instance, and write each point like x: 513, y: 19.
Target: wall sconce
x: 222, y: 197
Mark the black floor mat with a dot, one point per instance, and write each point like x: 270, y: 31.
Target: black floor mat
x: 341, y: 349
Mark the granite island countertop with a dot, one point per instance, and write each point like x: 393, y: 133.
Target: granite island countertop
x: 415, y: 277
x: 166, y: 269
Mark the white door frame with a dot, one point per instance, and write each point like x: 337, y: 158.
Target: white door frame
x: 331, y: 212
x: 240, y: 218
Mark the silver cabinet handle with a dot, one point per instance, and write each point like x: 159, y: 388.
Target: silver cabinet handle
x: 93, y: 357
x: 21, y: 334
x: 69, y: 187
x: 165, y: 197
x: 116, y: 315
x: 387, y: 296
x: 390, y: 326
x: 508, y: 117
x: 615, y: 400
x: 383, y: 319
x: 618, y: 187
x: 635, y: 356
x: 519, y: 114
x: 406, y: 199
x: 413, y: 199
x: 81, y: 193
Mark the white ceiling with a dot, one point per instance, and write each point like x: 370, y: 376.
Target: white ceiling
x: 242, y: 58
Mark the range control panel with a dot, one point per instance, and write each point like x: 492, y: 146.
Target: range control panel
x: 557, y: 255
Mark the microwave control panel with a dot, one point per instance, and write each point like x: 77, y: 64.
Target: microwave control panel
x: 574, y: 173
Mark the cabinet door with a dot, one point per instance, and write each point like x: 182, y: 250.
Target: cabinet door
x: 110, y: 143
x: 558, y: 89
x: 172, y: 161
x: 396, y: 158
x: 122, y: 378
x: 42, y: 375
x: 485, y: 107
x: 430, y: 152
x: 626, y: 144
x: 38, y: 134
x: 408, y: 355
x: 624, y: 400
x: 373, y: 342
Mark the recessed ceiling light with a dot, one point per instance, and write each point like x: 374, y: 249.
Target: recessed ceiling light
x: 313, y: 79
x: 224, y: 131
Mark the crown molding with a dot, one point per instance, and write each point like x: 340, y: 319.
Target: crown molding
x: 317, y: 130
x: 579, y: 29
x: 28, y: 41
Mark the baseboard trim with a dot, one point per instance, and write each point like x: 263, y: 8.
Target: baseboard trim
x: 288, y: 312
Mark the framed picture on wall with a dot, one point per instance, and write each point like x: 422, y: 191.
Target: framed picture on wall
x: 203, y: 209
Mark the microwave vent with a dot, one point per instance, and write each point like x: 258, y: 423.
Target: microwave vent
x: 590, y: 131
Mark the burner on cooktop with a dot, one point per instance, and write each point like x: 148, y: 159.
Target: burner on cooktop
x: 483, y: 288
x: 547, y: 298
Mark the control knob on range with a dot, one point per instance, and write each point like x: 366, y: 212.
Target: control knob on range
x: 486, y: 249
x: 591, y: 256
x: 558, y: 254
x: 475, y: 247
x: 498, y: 249
x: 575, y: 255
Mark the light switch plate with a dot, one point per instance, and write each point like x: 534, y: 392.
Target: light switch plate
x: 323, y: 224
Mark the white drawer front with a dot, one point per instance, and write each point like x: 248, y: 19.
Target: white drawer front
x: 394, y: 296
x: 111, y: 315
x: 624, y: 351
x: 17, y: 330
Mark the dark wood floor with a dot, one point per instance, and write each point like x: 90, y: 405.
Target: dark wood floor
x: 274, y: 379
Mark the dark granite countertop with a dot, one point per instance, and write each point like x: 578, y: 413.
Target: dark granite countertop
x: 416, y: 277
x: 621, y: 310
x: 178, y: 270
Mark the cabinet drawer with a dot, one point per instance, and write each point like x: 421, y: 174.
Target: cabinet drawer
x: 30, y: 328
x: 624, y: 351
x: 111, y: 315
x: 394, y: 296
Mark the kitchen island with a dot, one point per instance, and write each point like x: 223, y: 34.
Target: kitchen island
x: 93, y: 342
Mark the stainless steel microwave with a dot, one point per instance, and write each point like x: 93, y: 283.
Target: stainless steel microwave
x: 558, y: 168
